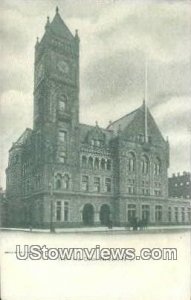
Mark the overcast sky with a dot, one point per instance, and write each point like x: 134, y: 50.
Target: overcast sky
x: 115, y: 36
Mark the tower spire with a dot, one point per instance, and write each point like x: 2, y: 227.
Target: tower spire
x: 145, y: 100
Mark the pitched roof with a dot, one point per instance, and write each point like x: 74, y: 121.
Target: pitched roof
x: 59, y: 28
x: 123, y: 122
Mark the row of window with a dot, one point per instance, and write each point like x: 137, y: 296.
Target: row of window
x: 95, y: 163
x: 62, y: 181
x: 96, y: 143
x: 96, y: 184
x: 179, y: 214
x: 145, y: 164
x: 182, y: 184
x: 144, y: 191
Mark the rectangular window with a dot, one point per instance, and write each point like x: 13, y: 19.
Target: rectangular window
x: 97, y: 184
x: 108, y: 184
x: 85, y: 183
x: 58, y: 211
x: 131, y: 212
x: 158, y: 213
x: 62, y: 136
x: 66, y: 211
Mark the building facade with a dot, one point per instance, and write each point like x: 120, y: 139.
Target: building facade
x: 179, y: 185
x: 66, y: 173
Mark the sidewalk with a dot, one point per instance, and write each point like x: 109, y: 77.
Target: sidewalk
x: 101, y: 229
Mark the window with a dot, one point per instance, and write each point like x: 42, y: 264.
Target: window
x: 183, y: 214
x: 62, y: 103
x: 90, y: 162
x: 108, y: 164
x: 131, y: 214
x: 189, y: 214
x: 58, y: 211
x: 145, y: 191
x: 131, y: 190
x: 62, y: 157
x: 58, y: 181
x: 103, y: 164
x: 85, y: 183
x: 146, y: 212
x: 96, y: 163
x: 158, y: 213
x: 92, y: 142
x: 66, y: 211
x: 62, y: 136
x: 84, y: 161
x: 176, y: 214
x: 181, y: 184
x: 97, y: 184
x: 66, y: 182
x: 131, y: 162
x: 157, y: 192
x: 108, y: 184
x: 157, y: 166
x: 145, y: 165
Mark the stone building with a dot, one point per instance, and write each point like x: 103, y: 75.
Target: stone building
x: 3, y: 208
x: 66, y: 173
x: 179, y: 185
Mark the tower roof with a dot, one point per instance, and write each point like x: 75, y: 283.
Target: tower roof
x: 59, y: 28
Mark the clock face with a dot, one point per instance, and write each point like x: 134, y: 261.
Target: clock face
x: 63, y: 67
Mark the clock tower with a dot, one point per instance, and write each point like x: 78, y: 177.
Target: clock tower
x: 56, y: 94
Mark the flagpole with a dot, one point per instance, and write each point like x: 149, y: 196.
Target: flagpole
x: 146, y: 99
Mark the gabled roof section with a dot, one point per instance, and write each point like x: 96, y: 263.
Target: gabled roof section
x: 59, y: 28
x: 86, y: 130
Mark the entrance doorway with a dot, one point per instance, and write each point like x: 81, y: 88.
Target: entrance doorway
x: 88, y: 215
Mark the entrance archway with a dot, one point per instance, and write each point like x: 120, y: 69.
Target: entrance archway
x: 88, y: 215
x: 105, y: 214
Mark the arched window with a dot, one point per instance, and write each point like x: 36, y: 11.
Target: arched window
x: 157, y: 166
x: 84, y: 161
x: 90, y: 162
x: 103, y: 164
x: 96, y: 163
x: 66, y: 182
x: 131, y: 162
x: 145, y: 165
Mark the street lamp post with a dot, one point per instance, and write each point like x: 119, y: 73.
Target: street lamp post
x: 52, y: 229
